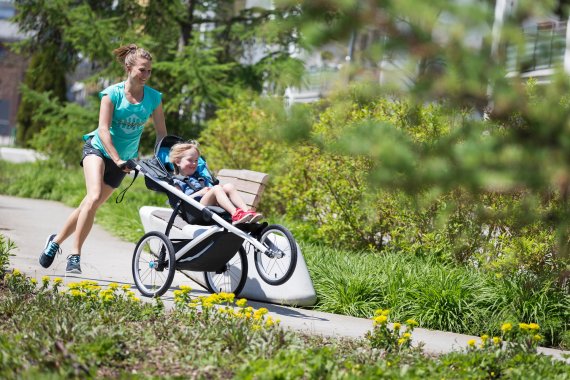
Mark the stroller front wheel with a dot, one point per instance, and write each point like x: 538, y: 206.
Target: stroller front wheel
x: 153, y: 264
x: 277, y: 264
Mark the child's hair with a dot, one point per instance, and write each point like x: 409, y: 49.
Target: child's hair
x: 177, y: 152
x: 127, y: 54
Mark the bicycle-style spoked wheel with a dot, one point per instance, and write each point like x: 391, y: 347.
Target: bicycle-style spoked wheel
x: 278, y: 264
x: 231, y: 277
x: 153, y: 264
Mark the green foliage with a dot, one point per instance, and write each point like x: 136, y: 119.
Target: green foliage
x: 236, y: 137
x: 89, y: 331
x: 196, y: 68
x: 63, y: 126
x: 6, y: 245
x: 395, y: 338
x: 193, y: 81
x: 440, y: 297
x: 42, y: 78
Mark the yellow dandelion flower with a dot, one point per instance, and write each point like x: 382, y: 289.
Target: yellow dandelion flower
x: 471, y: 342
x: 45, y: 279
x: 16, y: 272
x: 226, y: 297
x: 380, y: 320
x: 402, y: 341
x: 496, y: 340
x: 534, y: 326
x: 397, y: 326
x: 113, y: 285
x: 407, y: 335
x: 523, y: 326
x: 57, y: 281
x: 185, y: 288
x: 34, y: 281
x: 484, y: 337
x: 537, y: 337
x: 241, y: 302
x: 411, y: 322
x: 506, y: 327
x: 126, y: 287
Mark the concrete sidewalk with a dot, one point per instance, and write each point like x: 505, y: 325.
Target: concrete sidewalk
x: 105, y: 259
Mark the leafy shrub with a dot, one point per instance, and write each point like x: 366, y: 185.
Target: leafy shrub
x: 63, y: 126
x: 5, y: 247
x: 330, y: 197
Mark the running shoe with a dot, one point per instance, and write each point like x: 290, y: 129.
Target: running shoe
x: 50, y: 250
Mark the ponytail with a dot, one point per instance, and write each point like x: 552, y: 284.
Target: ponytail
x: 127, y: 55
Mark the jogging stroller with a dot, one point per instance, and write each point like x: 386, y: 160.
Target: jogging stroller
x: 216, y: 247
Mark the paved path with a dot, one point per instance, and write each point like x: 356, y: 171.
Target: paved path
x: 105, y: 259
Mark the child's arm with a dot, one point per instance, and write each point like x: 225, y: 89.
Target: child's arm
x: 201, y: 192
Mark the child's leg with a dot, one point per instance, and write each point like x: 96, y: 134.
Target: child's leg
x: 239, y: 202
x: 234, y: 196
x: 217, y: 196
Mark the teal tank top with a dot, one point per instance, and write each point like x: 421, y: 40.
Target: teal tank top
x: 128, y: 120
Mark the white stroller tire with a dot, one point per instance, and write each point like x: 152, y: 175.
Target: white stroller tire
x: 276, y: 270
x: 152, y: 273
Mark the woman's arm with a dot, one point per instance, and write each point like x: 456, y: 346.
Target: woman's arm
x: 105, y: 117
x: 159, y: 123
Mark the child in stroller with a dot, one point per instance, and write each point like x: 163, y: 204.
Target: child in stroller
x: 184, y: 156
x: 212, y: 244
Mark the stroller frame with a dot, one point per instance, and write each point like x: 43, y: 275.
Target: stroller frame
x: 218, y: 249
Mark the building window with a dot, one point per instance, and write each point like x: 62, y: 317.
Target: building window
x: 7, y: 10
x: 4, y: 117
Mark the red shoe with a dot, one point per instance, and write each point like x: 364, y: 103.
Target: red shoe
x: 241, y: 216
x: 255, y: 216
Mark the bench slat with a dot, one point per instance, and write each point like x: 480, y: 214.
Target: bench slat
x: 243, y: 186
x: 246, y: 175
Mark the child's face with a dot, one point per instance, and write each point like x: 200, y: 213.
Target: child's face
x: 189, y: 162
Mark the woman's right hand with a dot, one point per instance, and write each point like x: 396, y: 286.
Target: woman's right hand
x: 123, y: 165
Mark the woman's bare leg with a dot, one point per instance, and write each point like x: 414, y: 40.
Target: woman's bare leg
x: 81, y: 219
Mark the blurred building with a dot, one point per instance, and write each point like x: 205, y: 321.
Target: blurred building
x: 12, y: 68
x: 546, y: 49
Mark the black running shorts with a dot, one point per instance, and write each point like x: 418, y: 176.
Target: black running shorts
x: 113, y: 175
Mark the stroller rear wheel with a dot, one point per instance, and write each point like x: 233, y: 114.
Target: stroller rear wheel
x: 276, y: 266
x: 153, y: 264
x: 231, y: 277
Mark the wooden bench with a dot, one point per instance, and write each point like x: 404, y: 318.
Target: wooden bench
x: 248, y: 183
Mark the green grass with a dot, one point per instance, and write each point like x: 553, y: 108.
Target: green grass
x: 439, y: 296
x: 49, y: 333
